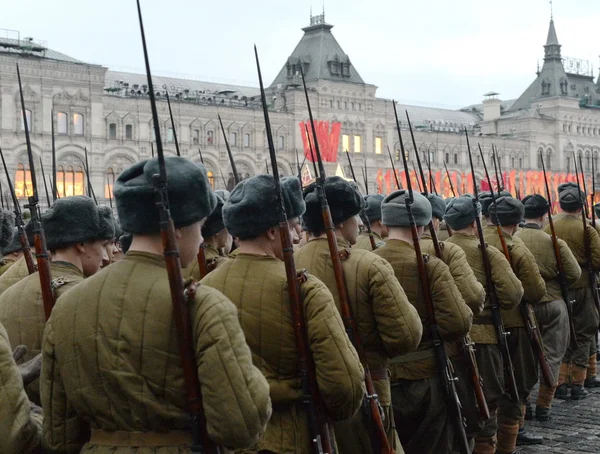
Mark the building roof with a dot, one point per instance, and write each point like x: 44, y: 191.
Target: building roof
x: 26, y: 47
x: 321, y: 58
x: 436, y: 119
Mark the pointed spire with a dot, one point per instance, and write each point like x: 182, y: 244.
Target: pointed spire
x: 552, y: 38
x: 552, y: 47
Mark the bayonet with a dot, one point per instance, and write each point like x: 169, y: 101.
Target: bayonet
x: 172, y: 122
x: 45, y: 185
x: 236, y: 176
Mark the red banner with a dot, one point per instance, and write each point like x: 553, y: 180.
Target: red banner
x: 328, y: 137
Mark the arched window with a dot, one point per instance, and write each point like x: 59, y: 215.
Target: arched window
x: 78, y: 188
x: 78, y: 124
x: 587, y: 161
x: 61, y: 123
x: 209, y: 137
x: 23, y: 186
x: 28, y: 115
x: 211, y: 179
x: 128, y: 132
x: 110, y: 183
x: 455, y: 158
x: 112, y: 131
x: 69, y: 181
x: 548, y: 160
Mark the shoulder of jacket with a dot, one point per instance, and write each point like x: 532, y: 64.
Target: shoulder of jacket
x: 61, y: 281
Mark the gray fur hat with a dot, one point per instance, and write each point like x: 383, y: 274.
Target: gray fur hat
x: 373, y: 206
x: 461, y: 212
x: 125, y: 241
x: 223, y: 193
x: 394, y: 214
x: 597, y: 209
x: 252, y: 206
x: 7, y: 225
x: 485, y: 198
x: 570, y: 196
x: 107, y: 214
x: 344, y: 202
x: 191, y: 198
x: 535, y: 206
x: 15, y: 244
x: 507, y: 211
x: 75, y: 219
x: 438, y: 206
x: 214, y: 222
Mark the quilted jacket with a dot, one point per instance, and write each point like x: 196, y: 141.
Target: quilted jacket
x: 213, y: 260
x: 364, y: 242
x: 13, y: 274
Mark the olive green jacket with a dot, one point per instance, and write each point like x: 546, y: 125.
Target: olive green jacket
x: 257, y: 285
x: 443, y: 233
x: 22, y: 311
x: 20, y: 428
x: 541, y: 246
x: 364, y: 242
x: 570, y: 229
x: 388, y: 325
x: 508, y: 287
x: 6, y: 264
x: 111, y: 361
x: 14, y: 274
x: 525, y: 268
x: 452, y: 315
x: 213, y: 260
x: 469, y: 287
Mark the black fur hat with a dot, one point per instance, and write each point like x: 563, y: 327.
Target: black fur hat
x: 535, y: 206
x: 507, y: 211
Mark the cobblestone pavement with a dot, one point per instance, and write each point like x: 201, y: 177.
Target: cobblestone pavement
x: 573, y: 429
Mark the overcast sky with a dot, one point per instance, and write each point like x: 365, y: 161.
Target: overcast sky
x: 436, y: 52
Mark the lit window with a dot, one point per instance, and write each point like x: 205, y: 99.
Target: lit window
x: 112, y: 131
x: 378, y: 145
x: 128, y: 132
x: 345, y: 142
x: 357, y: 148
x: 28, y: 115
x: 233, y: 139
x: 209, y: 137
x: 69, y: 182
x: 281, y: 142
x: 246, y: 140
x: 23, y: 186
x: 78, y: 124
x: 61, y: 120
x: 78, y: 182
x: 196, y: 136
x: 170, y: 137
x: 211, y: 179
x: 110, y: 182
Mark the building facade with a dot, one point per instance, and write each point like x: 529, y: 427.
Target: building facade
x: 107, y: 114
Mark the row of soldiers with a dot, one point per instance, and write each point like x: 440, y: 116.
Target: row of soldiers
x: 111, y: 377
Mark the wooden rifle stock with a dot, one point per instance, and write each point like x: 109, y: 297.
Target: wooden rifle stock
x: 533, y: 331
x: 378, y: 436
x: 201, y: 442
x: 444, y: 366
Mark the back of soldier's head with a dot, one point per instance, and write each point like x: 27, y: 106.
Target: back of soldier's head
x: 394, y: 211
x: 570, y: 197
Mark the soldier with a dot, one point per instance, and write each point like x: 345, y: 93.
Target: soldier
x: 551, y: 314
x: 485, y: 198
x: 216, y: 238
x: 77, y: 252
x: 508, y: 212
x: 460, y: 216
x: 373, y: 212
x: 388, y: 324
x: 418, y: 399
x: 473, y: 293
x: 569, y: 227
x: 129, y: 381
x: 111, y: 249
x: 256, y: 282
x: 18, y: 270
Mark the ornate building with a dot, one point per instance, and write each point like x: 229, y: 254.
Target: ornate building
x: 108, y: 114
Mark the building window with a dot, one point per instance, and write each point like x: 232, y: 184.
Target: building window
x: 69, y: 182
x: 211, y: 179
x: 587, y: 162
x: 209, y: 137
x: 447, y: 158
x: 357, y: 144
x: 128, y: 132
x: 170, y: 137
x: 23, y: 186
x: 61, y: 122
x: 345, y: 106
x: 246, y: 140
x: 233, y: 139
x: 548, y: 161
x: 110, y: 183
x: 568, y: 165
x: 352, y: 106
x: 455, y: 158
x: 28, y: 115
x: 112, y: 131
x: 196, y: 136
x: 339, y: 104
x: 345, y: 142
x: 512, y: 163
x: 78, y: 124
x: 378, y: 145
x: 331, y: 103
x: 520, y: 163
x: 539, y: 159
x: 359, y: 106
x: 281, y: 142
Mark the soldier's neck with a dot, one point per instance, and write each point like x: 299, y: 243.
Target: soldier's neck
x: 151, y: 244
x: 402, y: 234
x: 259, y: 246
x: 69, y: 255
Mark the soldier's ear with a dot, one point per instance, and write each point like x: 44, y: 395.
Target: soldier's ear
x: 178, y: 234
x: 272, y: 233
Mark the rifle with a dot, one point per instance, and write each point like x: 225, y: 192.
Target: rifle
x: 496, y: 161
x: 236, y: 175
x: 152, y: 149
x: 19, y: 221
x: 89, y: 183
x: 593, y: 193
x: 41, y: 251
x: 562, y: 277
x: 533, y: 331
x: 54, y: 187
x: 398, y: 185
x: 45, y: 184
x: 500, y: 168
x: 223, y: 178
x: 444, y: 367
x: 1, y: 195
x: 416, y: 176
x: 200, y: 153
x: 466, y: 345
x: 364, y: 170
x: 431, y: 181
x: 298, y: 165
x: 172, y: 122
x: 371, y: 406
x: 364, y: 216
x: 501, y: 333
x: 318, y: 426
x: 449, y: 180
x: 181, y: 299
x: 267, y: 166
x: 586, y: 238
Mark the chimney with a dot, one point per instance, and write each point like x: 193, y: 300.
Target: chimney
x: 491, y: 106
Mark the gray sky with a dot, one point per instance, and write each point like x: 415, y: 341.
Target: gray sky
x: 436, y: 52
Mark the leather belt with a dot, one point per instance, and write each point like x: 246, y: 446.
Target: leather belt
x: 380, y: 374
x: 123, y: 438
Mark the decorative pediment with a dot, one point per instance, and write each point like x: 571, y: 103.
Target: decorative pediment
x: 79, y: 99
x: 62, y: 98
x: 29, y: 95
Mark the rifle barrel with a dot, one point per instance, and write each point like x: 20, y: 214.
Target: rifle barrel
x: 172, y: 123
